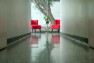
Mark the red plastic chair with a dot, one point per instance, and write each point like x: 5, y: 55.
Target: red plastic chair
x: 34, y: 25
x: 56, y: 25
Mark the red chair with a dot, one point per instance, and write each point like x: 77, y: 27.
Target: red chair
x: 56, y: 25
x: 34, y: 25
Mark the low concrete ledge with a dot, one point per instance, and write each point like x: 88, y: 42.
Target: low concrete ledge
x: 10, y: 40
x: 80, y: 40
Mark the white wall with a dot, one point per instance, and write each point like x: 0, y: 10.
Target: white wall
x: 36, y: 14
x: 74, y: 18
x: 3, y: 10
x: 91, y: 22
x: 77, y: 17
x: 14, y: 19
x: 18, y: 17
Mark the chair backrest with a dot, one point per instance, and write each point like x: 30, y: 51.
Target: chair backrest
x: 34, y: 22
x: 56, y: 21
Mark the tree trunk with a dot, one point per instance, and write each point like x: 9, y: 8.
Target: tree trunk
x: 44, y: 9
x: 51, y: 16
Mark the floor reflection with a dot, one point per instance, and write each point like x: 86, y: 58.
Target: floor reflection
x: 56, y: 39
x: 42, y: 53
x: 46, y: 48
x: 34, y: 39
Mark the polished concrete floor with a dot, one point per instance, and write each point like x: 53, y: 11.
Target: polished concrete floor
x: 46, y: 48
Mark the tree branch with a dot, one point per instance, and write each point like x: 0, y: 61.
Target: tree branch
x: 44, y: 7
x: 38, y: 6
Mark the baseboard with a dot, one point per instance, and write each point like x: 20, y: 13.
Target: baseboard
x: 11, y: 40
x: 2, y: 48
x: 78, y: 39
x: 91, y: 47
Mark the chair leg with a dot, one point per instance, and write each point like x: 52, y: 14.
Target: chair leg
x: 58, y: 30
x: 35, y: 30
x: 32, y: 30
x: 52, y: 30
x: 40, y: 30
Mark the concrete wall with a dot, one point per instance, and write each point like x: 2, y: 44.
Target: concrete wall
x: 3, y: 10
x: 74, y: 17
x: 91, y: 22
x: 77, y: 18
x: 14, y: 19
x: 18, y: 17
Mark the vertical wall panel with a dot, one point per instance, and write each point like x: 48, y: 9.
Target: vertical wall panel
x: 91, y: 22
x: 3, y: 10
x: 73, y: 17
x: 18, y: 22
x: 14, y: 19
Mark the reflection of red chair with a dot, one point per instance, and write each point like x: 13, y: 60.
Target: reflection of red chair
x: 34, y: 39
x: 56, y: 39
x: 34, y: 25
x: 56, y: 25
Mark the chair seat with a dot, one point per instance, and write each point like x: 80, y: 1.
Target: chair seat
x: 36, y: 26
x: 55, y: 27
x: 56, y: 24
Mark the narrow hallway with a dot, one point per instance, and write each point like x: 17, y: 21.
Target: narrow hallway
x: 46, y: 48
x: 66, y: 20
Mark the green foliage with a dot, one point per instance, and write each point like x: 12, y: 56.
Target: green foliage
x: 45, y: 8
x: 47, y: 18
